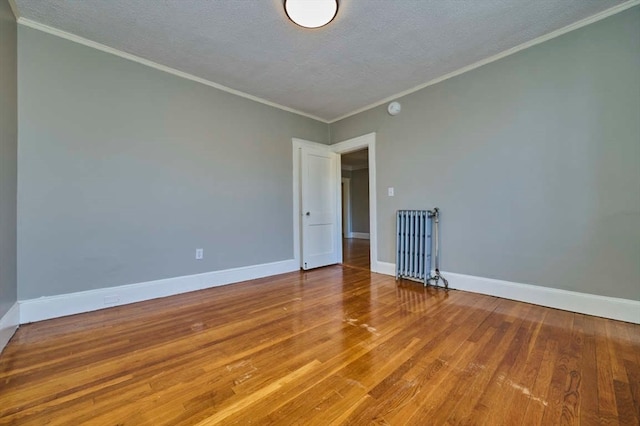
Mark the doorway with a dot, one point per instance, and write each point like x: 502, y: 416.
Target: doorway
x: 355, y: 209
x: 341, y: 148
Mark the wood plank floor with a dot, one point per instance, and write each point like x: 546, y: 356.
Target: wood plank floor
x: 355, y: 253
x: 337, y: 345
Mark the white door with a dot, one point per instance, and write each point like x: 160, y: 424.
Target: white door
x: 319, y: 207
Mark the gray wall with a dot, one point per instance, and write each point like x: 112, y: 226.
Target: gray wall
x: 360, y: 200
x: 533, y: 159
x: 125, y: 170
x: 359, y: 194
x: 8, y: 159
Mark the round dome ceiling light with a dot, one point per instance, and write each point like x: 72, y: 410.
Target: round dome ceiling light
x: 311, y: 13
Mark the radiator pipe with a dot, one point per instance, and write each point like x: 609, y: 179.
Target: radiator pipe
x: 436, y: 237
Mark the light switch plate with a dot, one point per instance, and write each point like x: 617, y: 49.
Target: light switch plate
x: 390, y: 192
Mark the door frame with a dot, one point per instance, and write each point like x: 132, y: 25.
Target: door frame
x: 367, y: 141
x: 344, y: 147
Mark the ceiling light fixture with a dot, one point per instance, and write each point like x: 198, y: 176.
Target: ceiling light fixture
x: 311, y: 13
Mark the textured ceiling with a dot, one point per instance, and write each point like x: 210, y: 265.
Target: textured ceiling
x: 373, y: 50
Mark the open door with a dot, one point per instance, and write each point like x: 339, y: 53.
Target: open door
x: 319, y: 207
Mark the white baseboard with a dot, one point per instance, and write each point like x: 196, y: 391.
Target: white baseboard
x: 386, y: 268
x: 85, y: 301
x: 584, y: 303
x: 9, y: 324
x: 26, y: 311
x: 359, y: 235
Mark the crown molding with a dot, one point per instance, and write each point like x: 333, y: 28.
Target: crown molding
x: 81, y: 40
x: 557, y: 33
x: 89, y: 43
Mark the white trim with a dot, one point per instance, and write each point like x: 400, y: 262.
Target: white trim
x: 591, y: 304
x: 359, y: 235
x: 557, y: 33
x: 386, y: 268
x: 86, y: 42
x: 584, y: 303
x: 338, y: 206
x: 346, y: 206
x: 81, y: 40
x: 366, y: 141
x: 9, y: 324
x: 85, y: 301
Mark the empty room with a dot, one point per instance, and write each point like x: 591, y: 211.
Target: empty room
x: 331, y: 212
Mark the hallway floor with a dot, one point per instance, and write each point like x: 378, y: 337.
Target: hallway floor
x: 355, y: 253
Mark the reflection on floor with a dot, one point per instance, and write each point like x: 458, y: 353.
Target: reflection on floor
x: 331, y: 346
x: 355, y: 253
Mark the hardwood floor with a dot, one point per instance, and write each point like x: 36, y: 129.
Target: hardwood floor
x: 337, y: 345
x: 355, y: 253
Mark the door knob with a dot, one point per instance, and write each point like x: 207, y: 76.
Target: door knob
x: 308, y: 213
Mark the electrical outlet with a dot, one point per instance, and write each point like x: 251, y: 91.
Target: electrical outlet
x: 199, y: 254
